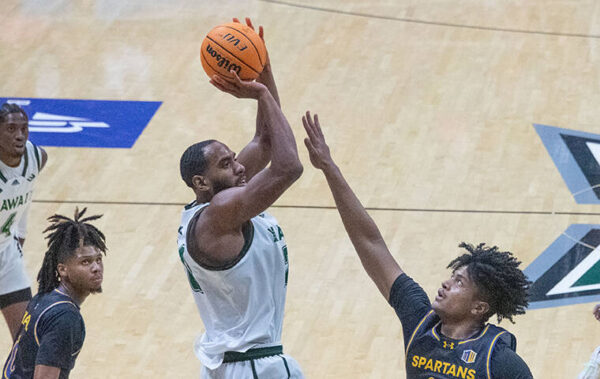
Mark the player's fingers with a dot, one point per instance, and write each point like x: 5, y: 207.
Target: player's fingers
x: 235, y: 19
x: 309, y: 119
x: 215, y: 81
x: 315, y: 126
x: 261, y: 33
x: 236, y: 78
x: 226, y: 86
x: 221, y: 88
x: 308, y: 126
x: 318, y: 127
x: 249, y: 23
x: 221, y: 81
x: 310, y: 131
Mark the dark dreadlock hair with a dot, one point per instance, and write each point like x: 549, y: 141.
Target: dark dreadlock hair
x: 8, y: 108
x: 498, y: 278
x: 193, y: 161
x: 65, y: 237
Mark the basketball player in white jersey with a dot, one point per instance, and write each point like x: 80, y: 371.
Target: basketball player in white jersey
x: 592, y: 367
x: 20, y: 164
x: 234, y: 252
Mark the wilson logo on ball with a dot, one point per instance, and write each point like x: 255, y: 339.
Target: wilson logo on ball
x: 233, y: 46
x: 222, y: 61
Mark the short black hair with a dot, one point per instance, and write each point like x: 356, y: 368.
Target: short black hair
x: 497, y: 276
x: 64, y: 237
x: 193, y: 161
x: 8, y: 108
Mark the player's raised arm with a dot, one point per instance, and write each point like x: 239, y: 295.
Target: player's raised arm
x: 362, y: 230
x: 257, y: 153
x: 234, y: 206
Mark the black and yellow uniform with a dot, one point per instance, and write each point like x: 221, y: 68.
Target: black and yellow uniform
x: 51, y: 334
x: 429, y: 354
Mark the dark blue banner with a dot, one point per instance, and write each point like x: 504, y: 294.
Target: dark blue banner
x: 86, y: 123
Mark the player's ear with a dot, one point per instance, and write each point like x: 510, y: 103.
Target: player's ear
x: 480, y: 309
x: 200, y: 183
x: 62, y: 269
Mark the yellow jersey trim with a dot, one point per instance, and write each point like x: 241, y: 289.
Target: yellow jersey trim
x: 415, y: 332
x: 434, y: 332
x: 489, y: 357
x: 476, y: 338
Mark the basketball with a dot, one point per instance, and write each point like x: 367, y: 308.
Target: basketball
x: 233, y: 46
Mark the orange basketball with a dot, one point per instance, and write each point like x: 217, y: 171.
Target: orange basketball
x: 233, y: 46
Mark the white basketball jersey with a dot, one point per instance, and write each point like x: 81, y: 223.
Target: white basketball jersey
x: 241, y: 306
x: 16, y: 188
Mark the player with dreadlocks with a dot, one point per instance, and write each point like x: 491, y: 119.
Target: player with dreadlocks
x: 52, y: 330
x: 449, y: 338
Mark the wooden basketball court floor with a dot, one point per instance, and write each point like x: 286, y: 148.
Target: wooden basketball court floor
x: 428, y: 107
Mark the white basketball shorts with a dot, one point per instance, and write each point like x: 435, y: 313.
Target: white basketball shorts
x: 274, y: 367
x: 13, y: 276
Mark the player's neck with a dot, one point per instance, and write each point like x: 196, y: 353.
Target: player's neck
x: 460, y: 330
x: 10, y: 160
x: 75, y: 295
x: 202, y: 198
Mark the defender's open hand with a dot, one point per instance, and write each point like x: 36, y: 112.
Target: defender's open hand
x: 319, y: 153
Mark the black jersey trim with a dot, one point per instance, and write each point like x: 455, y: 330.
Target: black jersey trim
x: 254, y: 374
x: 287, y: 369
x: 247, y: 232
x: 37, y: 157
x: 190, y: 205
x: 26, y: 157
x: 2, y: 177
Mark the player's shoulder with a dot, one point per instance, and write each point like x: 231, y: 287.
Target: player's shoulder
x: 55, y: 302
x: 506, y: 363
x: 55, y: 311
x: 37, y: 155
x: 226, y: 198
x: 224, y: 209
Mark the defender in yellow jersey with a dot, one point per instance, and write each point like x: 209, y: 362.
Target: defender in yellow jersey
x: 449, y: 338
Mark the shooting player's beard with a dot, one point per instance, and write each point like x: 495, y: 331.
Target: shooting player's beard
x: 220, y: 186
